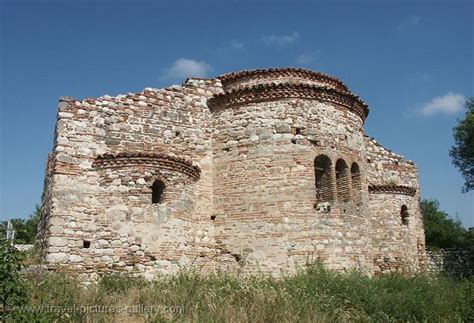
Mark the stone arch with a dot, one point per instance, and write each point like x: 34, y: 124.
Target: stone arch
x: 323, y: 179
x: 157, y: 191
x: 404, y: 214
x: 356, y: 181
x: 343, y: 181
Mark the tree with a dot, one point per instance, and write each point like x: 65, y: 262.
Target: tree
x: 25, y: 229
x: 462, y: 151
x: 442, y: 231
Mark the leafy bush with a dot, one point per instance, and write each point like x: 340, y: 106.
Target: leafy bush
x: 12, y: 284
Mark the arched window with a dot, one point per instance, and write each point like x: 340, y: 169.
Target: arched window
x: 323, y: 179
x: 342, y: 181
x: 157, y: 190
x: 356, y: 183
x: 404, y: 214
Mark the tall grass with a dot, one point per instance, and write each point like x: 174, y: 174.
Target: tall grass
x: 313, y: 295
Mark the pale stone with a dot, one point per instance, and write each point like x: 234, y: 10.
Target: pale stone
x: 237, y: 159
x: 75, y: 258
x: 57, y: 257
x: 57, y: 241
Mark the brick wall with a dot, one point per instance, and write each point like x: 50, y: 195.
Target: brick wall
x: 237, y: 157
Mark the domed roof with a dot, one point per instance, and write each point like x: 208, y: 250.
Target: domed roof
x: 233, y: 80
x: 280, y: 83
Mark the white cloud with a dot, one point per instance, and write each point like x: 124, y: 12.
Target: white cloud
x: 409, y: 22
x: 308, y: 58
x: 281, y: 40
x: 450, y: 103
x: 183, y: 68
x: 235, y: 44
x: 414, y: 20
x: 419, y: 77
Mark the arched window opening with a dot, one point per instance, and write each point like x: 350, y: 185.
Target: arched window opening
x: 323, y: 179
x: 404, y: 214
x: 157, y: 190
x: 342, y: 181
x: 356, y: 183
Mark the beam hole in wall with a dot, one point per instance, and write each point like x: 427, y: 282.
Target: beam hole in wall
x: 157, y: 190
x: 213, y: 217
x: 237, y: 257
x: 297, y: 130
x: 313, y: 141
x: 404, y: 214
x: 86, y: 244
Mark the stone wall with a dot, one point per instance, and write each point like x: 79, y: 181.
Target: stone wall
x: 100, y: 216
x: 265, y: 197
x: 453, y: 261
x: 239, y: 158
x: 398, y: 233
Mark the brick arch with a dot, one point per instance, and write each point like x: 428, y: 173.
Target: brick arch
x: 343, y: 181
x: 356, y: 181
x: 323, y: 179
x: 158, y: 182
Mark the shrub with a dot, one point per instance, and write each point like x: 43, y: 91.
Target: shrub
x: 12, y: 284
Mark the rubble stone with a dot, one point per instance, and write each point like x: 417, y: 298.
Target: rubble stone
x: 254, y: 171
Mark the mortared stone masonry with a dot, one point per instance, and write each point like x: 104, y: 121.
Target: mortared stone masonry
x: 253, y: 171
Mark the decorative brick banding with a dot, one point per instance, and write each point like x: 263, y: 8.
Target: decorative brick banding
x: 392, y: 189
x: 230, y: 78
x: 160, y: 160
x: 250, y: 172
x: 273, y: 91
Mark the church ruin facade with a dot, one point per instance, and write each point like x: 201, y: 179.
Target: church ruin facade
x: 253, y: 171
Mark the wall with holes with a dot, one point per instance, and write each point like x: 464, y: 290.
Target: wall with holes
x: 99, y: 218
x: 397, y: 239
x: 264, y: 185
x: 262, y: 170
x: 397, y: 226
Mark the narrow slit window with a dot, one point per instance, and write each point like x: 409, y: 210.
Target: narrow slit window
x: 157, y: 191
x: 404, y: 214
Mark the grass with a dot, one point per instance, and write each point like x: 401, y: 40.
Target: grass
x: 313, y: 295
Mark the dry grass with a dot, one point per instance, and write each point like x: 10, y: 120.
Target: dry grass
x: 315, y: 295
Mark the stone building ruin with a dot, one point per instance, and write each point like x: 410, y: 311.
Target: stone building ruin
x: 253, y: 171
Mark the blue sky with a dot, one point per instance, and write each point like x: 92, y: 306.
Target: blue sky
x: 412, y: 62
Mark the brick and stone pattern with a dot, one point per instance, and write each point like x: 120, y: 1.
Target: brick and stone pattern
x: 263, y: 171
x: 451, y: 261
